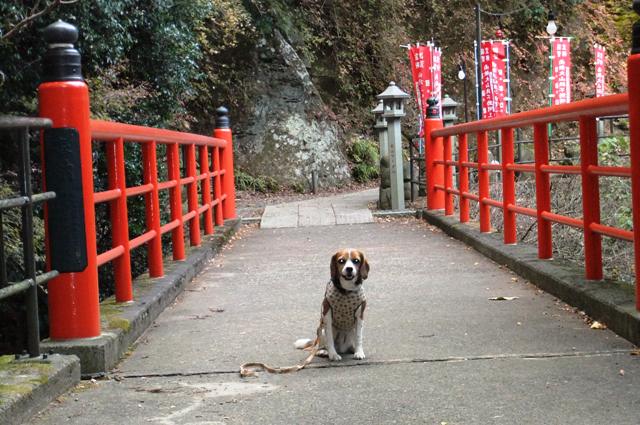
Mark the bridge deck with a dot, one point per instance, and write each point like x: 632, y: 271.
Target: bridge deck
x: 438, y: 350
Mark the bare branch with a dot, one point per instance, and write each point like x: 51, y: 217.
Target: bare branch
x: 34, y: 14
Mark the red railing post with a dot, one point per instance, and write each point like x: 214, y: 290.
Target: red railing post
x: 483, y: 182
x: 508, y: 187
x: 206, y: 189
x: 434, y: 173
x: 152, y: 209
x: 448, y: 177
x: 223, y: 131
x: 590, y: 198
x: 119, y: 220
x: 74, y: 310
x: 217, y: 186
x: 175, y: 199
x: 633, y: 76
x: 463, y: 156
x: 192, y: 195
x: 543, y: 189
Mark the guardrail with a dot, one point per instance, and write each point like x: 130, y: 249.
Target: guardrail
x: 441, y: 191
x: 20, y: 128
x: 68, y: 169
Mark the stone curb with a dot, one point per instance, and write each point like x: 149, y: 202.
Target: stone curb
x: 392, y: 213
x: 606, y: 301
x: 122, y: 324
x: 37, y: 383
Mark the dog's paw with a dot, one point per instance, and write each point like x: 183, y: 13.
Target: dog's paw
x: 358, y: 355
x: 335, y: 357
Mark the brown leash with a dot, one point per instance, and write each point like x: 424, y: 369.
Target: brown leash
x: 250, y: 369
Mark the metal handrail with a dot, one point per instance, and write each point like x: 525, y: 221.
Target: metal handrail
x: 21, y: 126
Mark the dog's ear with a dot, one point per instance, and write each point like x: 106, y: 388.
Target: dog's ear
x: 334, y: 267
x: 364, y: 267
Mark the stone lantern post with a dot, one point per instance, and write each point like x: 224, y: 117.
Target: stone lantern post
x: 381, y: 129
x: 393, y: 104
x: 449, y: 116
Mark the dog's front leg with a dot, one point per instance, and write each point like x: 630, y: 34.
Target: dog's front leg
x: 358, y: 352
x: 328, y: 334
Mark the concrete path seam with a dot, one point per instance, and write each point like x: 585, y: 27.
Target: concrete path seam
x: 454, y: 359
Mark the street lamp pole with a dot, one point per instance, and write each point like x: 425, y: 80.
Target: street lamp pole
x: 462, y: 75
x: 478, y: 60
x: 551, y: 30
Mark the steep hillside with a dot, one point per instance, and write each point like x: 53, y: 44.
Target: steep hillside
x: 300, y: 77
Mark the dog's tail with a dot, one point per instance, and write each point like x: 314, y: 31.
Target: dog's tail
x: 303, y: 343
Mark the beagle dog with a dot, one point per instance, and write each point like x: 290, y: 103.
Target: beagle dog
x: 343, y: 306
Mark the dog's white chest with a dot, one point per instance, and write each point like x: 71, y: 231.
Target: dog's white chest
x: 344, y: 306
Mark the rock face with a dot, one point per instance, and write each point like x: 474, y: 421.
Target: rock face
x: 289, y: 132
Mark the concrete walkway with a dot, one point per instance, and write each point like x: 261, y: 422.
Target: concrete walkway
x: 351, y: 208
x: 439, y: 351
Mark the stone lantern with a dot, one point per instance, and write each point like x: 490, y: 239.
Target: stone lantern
x: 449, y: 116
x: 393, y: 110
x: 381, y: 129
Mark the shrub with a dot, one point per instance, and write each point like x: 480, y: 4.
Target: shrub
x: 363, y: 153
x: 249, y: 183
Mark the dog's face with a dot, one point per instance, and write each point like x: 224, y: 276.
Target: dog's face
x: 349, y: 268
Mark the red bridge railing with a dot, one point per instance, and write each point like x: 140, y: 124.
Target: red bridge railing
x: 70, y: 220
x: 440, y: 166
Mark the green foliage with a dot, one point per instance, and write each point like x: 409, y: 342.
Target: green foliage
x: 262, y: 184
x: 12, y: 237
x: 298, y: 187
x: 363, y: 153
x: 614, y: 151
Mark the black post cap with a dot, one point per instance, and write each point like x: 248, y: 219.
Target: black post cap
x: 433, y: 111
x: 62, y: 61
x: 222, y: 117
x: 635, y: 39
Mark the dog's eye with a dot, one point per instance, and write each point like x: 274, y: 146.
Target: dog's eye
x: 342, y: 261
x: 356, y: 261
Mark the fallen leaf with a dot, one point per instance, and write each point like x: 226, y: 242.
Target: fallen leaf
x: 216, y: 310
x: 636, y: 352
x: 503, y: 298
x: 598, y: 325
x: 621, y: 372
x: 514, y: 279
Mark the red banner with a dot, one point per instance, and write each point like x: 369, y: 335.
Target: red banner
x: 425, y: 70
x: 436, y: 74
x: 561, y: 75
x: 420, y: 70
x: 600, y: 57
x: 493, y: 62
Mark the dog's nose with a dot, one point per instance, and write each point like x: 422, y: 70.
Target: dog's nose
x: 349, y: 269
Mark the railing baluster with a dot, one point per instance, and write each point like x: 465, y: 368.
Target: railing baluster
x: 463, y: 156
x: 206, y: 189
x: 448, y: 177
x: 508, y: 187
x: 3, y: 259
x: 543, y: 190
x: 217, y: 186
x: 633, y: 76
x: 63, y: 97
x: 223, y: 131
x: 31, y: 295
x: 175, y: 199
x: 483, y: 182
x: 152, y: 210
x: 590, y: 198
x: 119, y: 219
x: 192, y: 196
